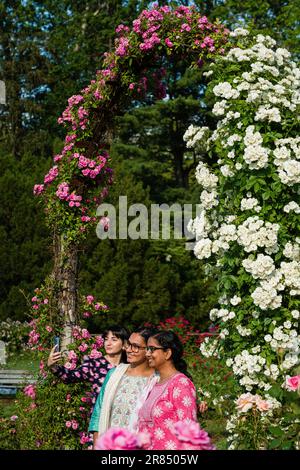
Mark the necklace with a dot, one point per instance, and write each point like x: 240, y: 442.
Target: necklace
x: 161, y: 381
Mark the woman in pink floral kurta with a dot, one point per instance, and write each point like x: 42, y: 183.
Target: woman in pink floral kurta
x: 172, y: 399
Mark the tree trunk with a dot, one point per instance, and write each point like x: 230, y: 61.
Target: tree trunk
x: 65, y: 271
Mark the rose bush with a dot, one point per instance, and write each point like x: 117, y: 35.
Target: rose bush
x: 248, y: 225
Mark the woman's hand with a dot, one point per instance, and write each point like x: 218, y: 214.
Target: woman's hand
x: 203, y: 406
x: 54, y: 357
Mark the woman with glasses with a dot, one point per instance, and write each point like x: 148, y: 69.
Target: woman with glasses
x: 172, y: 398
x: 125, y: 388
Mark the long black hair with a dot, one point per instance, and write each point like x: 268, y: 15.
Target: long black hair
x: 169, y: 340
x: 120, y: 332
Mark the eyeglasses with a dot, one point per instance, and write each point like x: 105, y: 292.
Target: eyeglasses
x: 151, y: 349
x: 134, y: 347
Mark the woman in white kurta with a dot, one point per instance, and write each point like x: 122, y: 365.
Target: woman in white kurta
x: 124, y: 388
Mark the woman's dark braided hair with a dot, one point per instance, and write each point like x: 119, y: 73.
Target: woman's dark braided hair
x: 167, y: 339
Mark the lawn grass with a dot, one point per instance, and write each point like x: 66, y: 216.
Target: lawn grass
x: 26, y: 360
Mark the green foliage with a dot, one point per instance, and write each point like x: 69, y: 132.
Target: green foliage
x: 24, y: 252
x: 41, y: 423
x: 14, y: 334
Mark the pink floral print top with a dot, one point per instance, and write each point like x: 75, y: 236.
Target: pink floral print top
x: 91, y: 370
x: 168, y: 403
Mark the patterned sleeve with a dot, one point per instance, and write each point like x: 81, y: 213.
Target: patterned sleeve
x: 183, y: 397
x: 82, y: 373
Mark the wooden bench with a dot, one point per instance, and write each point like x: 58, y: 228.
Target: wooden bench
x: 11, y: 380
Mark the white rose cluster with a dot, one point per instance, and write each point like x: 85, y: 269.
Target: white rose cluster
x: 202, y: 249
x: 253, y: 170
x: 209, y: 348
x: 250, y: 203
x: 255, y: 232
x: 196, y: 135
x: 243, y: 331
x: 221, y: 313
x: 260, y: 268
x: 287, y: 160
x: 266, y: 297
x: 200, y: 226
x: 225, y: 90
x: 219, y: 108
x: 205, y: 178
x: 265, y: 113
x: 292, y: 207
x: 248, y: 366
x: 291, y: 274
x: 292, y: 250
x: 284, y: 338
x: 255, y: 155
x: 209, y: 199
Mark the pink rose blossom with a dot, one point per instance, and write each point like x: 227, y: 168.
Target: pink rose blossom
x: 245, y: 402
x: 85, y: 334
x: 72, y: 356
x: 105, y: 222
x: 192, y: 436
x: 117, y: 439
x: 38, y: 189
x: 293, y: 383
x: 74, y: 424
x: 29, y: 390
x: 89, y: 299
x: 84, y: 438
x: 262, y: 405
x: 169, y: 42
x: 83, y: 347
x: 68, y: 424
x: 99, y: 341
x: 95, y: 354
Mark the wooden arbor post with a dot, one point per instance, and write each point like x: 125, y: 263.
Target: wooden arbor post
x: 65, y: 272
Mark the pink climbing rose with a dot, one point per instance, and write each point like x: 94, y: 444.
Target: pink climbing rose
x: 293, y: 383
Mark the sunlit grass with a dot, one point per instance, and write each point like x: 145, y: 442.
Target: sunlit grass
x: 25, y: 360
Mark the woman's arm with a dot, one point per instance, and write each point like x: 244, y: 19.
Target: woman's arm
x: 95, y: 437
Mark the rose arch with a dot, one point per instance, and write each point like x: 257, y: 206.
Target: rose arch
x: 249, y: 225
x: 81, y: 175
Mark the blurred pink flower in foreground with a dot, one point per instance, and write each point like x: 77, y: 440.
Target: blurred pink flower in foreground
x: 117, y: 439
x: 192, y: 436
